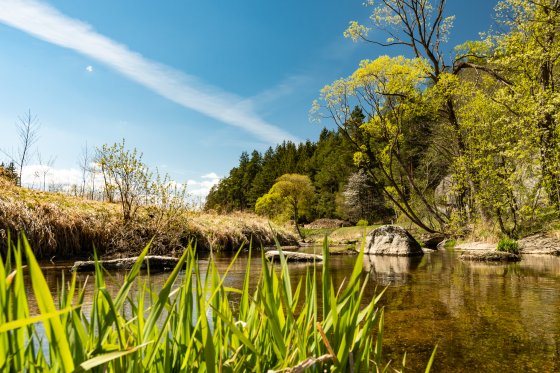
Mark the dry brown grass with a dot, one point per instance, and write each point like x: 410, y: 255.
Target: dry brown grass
x: 221, y: 232
x: 64, y: 226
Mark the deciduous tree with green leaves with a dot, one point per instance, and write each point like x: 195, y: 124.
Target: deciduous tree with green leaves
x: 391, y: 92
x: 423, y: 27
x: 291, y: 193
x: 528, y: 53
x: 124, y: 173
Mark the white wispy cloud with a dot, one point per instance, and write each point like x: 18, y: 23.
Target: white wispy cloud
x: 89, y: 69
x: 202, y: 187
x: 35, y: 175
x: 47, y: 23
x: 285, y: 88
x: 211, y: 176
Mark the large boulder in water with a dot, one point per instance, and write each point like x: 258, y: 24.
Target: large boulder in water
x: 392, y: 240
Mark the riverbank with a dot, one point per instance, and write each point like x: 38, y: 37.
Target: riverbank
x: 70, y: 227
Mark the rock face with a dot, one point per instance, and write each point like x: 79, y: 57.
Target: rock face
x: 392, y: 240
x: 328, y: 223
x: 432, y: 241
x: 539, y: 243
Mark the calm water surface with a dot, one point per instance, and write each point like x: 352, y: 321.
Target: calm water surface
x: 483, y: 317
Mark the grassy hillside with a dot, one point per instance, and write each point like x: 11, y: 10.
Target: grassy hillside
x: 64, y: 226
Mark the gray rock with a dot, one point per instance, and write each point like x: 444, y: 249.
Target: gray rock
x: 155, y: 262
x: 539, y: 243
x: 392, y: 240
x: 292, y: 256
x: 490, y: 256
x: 432, y: 240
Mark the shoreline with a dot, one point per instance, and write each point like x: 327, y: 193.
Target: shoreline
x: 69, y: 227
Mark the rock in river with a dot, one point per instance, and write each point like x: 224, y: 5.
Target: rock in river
x: 292, y: 256
x: 392, y: 240
x: 490, y: 256
x: 155, y: 262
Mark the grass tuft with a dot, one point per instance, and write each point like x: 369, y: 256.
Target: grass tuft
x: 508, y: 245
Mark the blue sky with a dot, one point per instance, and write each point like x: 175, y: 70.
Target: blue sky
x: 189, y: 83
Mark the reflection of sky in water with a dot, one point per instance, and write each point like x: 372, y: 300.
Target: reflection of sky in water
x: 483, y: 317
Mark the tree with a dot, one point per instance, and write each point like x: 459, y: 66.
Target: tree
x: 84, y: 163
x: 423, y: 27
x: 27, y: 128
x: 392, y: 94
x: 509, y: 115
x: 363, y: 200
x: 44, y: 170
x: 124, y: 172
x: 329, y: 168
x: 291, y: 192
x: 28, y: 132
x: 528, y: 53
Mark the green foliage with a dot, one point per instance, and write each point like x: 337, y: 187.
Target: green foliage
x: 393, y: 144
x: 362, y: 223
x: 473, y: 140
x: 273, y: 206
x: 129, y: 180
x: 289, y: 196
x: 327, y: 162
x: 508, y: 245
x: 190, y: 323
x: 450, y: 244
x: 125, y: 175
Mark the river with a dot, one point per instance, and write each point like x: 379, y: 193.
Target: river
x: 483, y: 317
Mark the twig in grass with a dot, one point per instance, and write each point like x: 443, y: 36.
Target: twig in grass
x: 326, y: 342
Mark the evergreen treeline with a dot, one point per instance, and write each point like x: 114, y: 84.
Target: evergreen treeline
x: 9, y: 172
x: 328, y: 163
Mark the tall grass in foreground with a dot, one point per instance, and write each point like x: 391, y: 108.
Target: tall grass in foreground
x: 190, y: 324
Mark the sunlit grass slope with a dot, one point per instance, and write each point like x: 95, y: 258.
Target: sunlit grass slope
x: 64, y: 226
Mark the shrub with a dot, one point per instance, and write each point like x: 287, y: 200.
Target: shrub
x: 450, y: 244
x: 508, y: 245
x: 362, y: 223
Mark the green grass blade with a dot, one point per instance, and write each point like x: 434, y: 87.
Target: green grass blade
x: 20, y: 323
x: 110, y: 356
x: 237, y: 332
x: 130, y: 277
x: 432, y: 358
x: 163, y: 297
x: 53, y: 327
x: 326, y: 278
